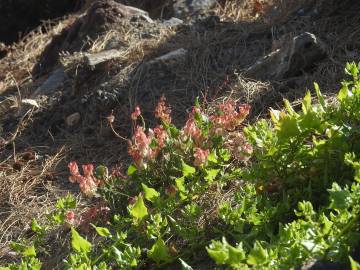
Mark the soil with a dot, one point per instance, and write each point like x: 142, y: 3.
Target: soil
x: 36, y: 143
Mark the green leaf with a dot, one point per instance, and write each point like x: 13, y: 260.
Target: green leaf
x: 150, y: 193
x: 139, y: 210
x: 225, y: 154
x: 179, y: 183
x: 236, y: 254
x: 320, y: 96
x: 340, y: 198
x: 258, y: 255
x: 211, y: 175
x: 354, y: 264
x: 184, y: 265
x: 218, y: 251
x: 65, y: 203
x: 212, y: 157
x: 101, y: 172
x: 306, y: 103
x: 29, y: 252
x: 289, y: 108
x: 102, y: 231
x: 78, y: 243
x: 187, y: 170
x: 344, y: 92
x: 35, y: 227
x: 288, y: 127
x: 131, y: 169
x: 159, y: 252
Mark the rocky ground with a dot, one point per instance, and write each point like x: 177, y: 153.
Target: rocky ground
x: 60, y: 82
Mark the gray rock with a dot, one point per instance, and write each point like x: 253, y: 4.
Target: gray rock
x: 170, y: 58
x: 184, y: 8
x: 94, y: 59
x: 292, y: 57
x: 52, y: 83
x: 173, y: 22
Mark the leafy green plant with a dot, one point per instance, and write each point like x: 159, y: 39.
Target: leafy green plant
x: 275, y: 203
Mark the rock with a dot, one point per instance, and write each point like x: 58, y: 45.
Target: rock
x: 173, y: 22
x: 293, y: 56
x: 185, y: 8
x: 30, y: 102
x: 100, y: 17
x: 171, y: 57
x: 55, y: 81
x: 92, y: 60
x: 73, y: 119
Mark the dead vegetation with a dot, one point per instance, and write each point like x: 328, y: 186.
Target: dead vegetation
x: 36, y: 146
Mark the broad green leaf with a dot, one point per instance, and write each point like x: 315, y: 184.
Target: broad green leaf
x: 344, y: 92
x: 225, y: 154
x: 67, y: 202
x: 184, y: 265
x: 236, y: 254
x: 306, y: 103
x: 211, y: 175
x: 340, y: 198
x: 352, y: 69
x: 179, y: 183
x: 29, y: 252
x: 258, y: 255
x: 139, y: 210
x: 78, y: 243
x: 187, y: 170
x: 212, y: 157
x: 289, y: 108
x: 159, y: 252
x: 131, y: 169
x: 218, y: 251
x: 150, y: 193
x: 354, y: 264
x: 288, y: 127
x: 102, y: 231
x: 320, y: 96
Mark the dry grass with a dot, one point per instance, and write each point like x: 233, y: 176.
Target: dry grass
x: 213, y: 68
x: 26, y: 190
x: 15, y: 69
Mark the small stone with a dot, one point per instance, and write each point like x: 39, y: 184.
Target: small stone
x: 92, y: 60
x: 31, y: 102
x: 73, y: 119
x: 55, y: 80
x: 171, y: 57
x: 173, y: 22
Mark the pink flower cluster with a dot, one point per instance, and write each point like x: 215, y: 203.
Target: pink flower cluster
x: 200, y: 156
x: 163, y: 111
x: 88, y: 182
x: 229, y: 116
x: 136, y: 113
x: 191, y: 129
x: 89, y: 216
x: 139, y: 147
